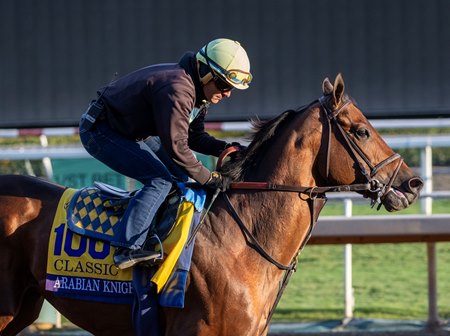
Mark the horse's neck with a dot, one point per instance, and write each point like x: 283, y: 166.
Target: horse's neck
x: 279, y: 221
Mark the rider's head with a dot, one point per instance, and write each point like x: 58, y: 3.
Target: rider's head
x: 226, y: 63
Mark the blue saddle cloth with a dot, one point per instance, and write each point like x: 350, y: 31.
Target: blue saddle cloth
x: 95, y: 213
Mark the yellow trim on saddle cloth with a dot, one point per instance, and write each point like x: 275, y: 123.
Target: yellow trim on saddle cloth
x: 174, y: 244
x: 72, y: 255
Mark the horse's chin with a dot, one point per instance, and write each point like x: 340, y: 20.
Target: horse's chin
x: 395, y: 200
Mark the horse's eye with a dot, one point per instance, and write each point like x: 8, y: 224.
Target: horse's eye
x: 362, y: 133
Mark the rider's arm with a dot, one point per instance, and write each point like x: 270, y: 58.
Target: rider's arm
x: 200, y: 141
x: 172, y: 108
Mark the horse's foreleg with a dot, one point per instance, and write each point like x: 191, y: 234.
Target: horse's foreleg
x: 28, y: 313
x: 29, y: 308
x: 20, y: 300
x: 4, y: 321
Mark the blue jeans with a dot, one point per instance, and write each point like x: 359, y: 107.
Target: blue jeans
x: 145, y: 161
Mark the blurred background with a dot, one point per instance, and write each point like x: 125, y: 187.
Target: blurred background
x: 394, y: 55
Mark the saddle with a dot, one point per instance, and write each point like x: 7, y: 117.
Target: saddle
x: 96, y: 211
x: 80, y: 259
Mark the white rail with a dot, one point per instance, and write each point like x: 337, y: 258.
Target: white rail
x: 77, y: 152
x: 234, y: 126
x: 366, y: 229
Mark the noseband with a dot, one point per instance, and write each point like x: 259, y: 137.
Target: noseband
x: 374, y: 185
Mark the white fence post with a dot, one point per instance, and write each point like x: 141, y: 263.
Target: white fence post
x: 426, y: 166
x: 433, y: 315
x: 349, y: 300
x: 426, y: 159
x: 46, y: 161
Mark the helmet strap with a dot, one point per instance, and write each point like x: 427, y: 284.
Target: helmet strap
x: 207, y: 77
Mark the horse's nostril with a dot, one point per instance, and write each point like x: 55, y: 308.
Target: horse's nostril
x: 415, y: 184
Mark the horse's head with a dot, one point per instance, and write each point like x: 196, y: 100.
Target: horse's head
x: 327, y: 143
x: 352, y: 152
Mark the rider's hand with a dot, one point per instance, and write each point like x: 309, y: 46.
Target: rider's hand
x: 218, y: 181
x: 238, y: 153
x: 236, y: 144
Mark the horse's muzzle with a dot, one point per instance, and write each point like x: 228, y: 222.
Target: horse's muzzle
x: 413, y: 188
x: 415, y: 185
x: 400, y: 198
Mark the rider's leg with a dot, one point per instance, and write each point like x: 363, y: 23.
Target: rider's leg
x: 136, y: 160
x: 178, y: 173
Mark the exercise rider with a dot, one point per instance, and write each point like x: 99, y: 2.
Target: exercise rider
x: 147, y: 124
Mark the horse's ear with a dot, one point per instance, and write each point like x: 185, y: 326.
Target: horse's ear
x: 339, y: 88
x: 327, y: 87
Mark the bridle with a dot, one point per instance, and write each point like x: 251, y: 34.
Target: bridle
x: 315, y: 193
x: 374, y: 185
x: 371, y: 186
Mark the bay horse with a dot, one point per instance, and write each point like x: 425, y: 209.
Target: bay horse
x: 250, y: 238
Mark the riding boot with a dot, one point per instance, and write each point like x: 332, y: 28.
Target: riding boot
x: 125, y: 258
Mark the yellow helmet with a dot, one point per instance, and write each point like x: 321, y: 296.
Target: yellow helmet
x: 227, y: 60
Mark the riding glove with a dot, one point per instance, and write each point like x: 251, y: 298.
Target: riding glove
x: 238, y: 153
x: 236, y: 144
x: 218, y: 181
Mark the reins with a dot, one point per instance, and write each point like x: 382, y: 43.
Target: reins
x: 251, y: 238
x: 288, y: 269
x: 267, y: 186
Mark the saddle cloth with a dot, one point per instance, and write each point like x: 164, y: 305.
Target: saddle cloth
x: 80, y: 258
x: 91, y: 214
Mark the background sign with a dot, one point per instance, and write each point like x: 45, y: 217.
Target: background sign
x: 394, y: 55
x: 78, y: 173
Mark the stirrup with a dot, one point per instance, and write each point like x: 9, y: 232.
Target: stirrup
x: 155, y: 236
x: 129, y: 258
x: 156, y: 261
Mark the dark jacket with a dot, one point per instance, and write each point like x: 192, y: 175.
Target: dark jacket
x: 157, y: 101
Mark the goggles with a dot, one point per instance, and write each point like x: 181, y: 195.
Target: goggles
x: 222, y: 85
x: 235, y: 76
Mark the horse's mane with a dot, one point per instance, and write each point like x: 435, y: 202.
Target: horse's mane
x: 263, y: 133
